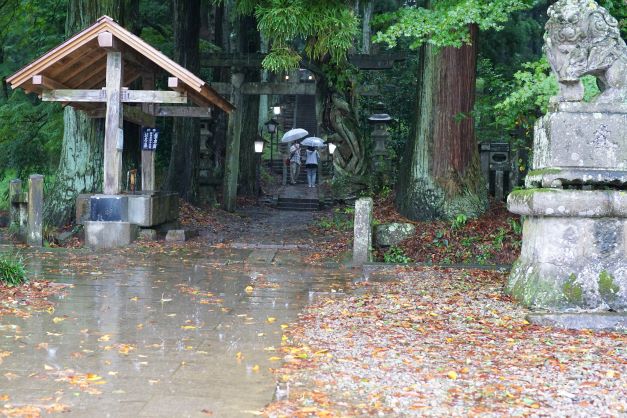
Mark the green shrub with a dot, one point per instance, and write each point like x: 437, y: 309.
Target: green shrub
x: 12, y: 270
x: 396, y: 255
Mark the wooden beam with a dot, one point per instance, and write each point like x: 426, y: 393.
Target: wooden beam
x: 303, y: 89
x: 87, y: 67
x: 153, y: 96
x: 133, y: 114
x: 67, y: 95
x: 47, y: 83
x: 113, y: 124
x: 107, y: 41
x: 255, y: 60
x: 183, y: 111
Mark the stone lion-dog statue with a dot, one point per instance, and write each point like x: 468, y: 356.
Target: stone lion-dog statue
x: 582, y: 38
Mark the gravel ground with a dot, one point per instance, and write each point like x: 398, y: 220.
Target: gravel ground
x: 433, y: 342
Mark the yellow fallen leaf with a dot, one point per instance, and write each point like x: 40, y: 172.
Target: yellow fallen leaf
x: 261, y: 334
x: 105, y: 337
x: 188, y: 327
x: 4, y: 397
x: 113, y: 373
x: 610, y: 374
x: 239, y: 355
x: 57, y: 319
x: 452, y: 375
x: 139, y: 326
x: 271, y: 319
x: 275, y: 358
x: 284, y: 326
x: 135, y: 299
x: 249, y: 289
x: 255, y: 368
x: 93, y: 377
x: 46, y: 367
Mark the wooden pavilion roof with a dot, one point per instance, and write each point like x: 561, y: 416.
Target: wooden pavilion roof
x: 80, y: 63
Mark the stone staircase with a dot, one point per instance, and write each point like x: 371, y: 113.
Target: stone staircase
x: 298, y: 198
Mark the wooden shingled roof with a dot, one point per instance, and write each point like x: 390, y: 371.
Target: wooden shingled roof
x: 79, y: 63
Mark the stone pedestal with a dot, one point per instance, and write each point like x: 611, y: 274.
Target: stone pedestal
x: 109, y: 234
x: 574, y: 252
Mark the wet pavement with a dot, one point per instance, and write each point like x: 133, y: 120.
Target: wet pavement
x: 178, y: 333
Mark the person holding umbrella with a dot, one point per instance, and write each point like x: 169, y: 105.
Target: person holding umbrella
x: 294, y: 158
x: 311, y: 162
x: 295, y: 162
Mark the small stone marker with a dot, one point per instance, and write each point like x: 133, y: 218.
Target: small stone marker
x: 179, y: 235
x: 147, y: 234
x: 34, y: 236
x: 362, y: 238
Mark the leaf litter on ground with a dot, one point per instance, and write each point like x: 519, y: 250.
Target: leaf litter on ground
x: 436, y: 342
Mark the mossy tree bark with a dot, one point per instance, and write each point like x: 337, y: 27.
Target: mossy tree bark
x: 80, y: 164
x: 249, y: 42
x: 440, y: 175
x: 184, y: 158
x: 338, y: 117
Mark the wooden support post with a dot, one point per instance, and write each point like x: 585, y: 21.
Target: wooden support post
x: 148, y: 157
x: 234, y: 132
x: 34, y: 236
x: 113, y: 125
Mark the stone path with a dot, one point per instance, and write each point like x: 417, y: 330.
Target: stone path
x: 160, y: 335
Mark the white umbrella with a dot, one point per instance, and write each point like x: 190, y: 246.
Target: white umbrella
x: 313, y: 141
x: 294, y: 134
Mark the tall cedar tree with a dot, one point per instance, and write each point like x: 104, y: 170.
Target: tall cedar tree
x: 440, y: 174
x: 184, y: 157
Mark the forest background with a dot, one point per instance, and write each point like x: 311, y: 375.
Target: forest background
x: 511, y: 81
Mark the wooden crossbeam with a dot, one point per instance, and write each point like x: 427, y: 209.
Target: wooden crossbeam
x: 133, y: 114
x: 183, y: 111
x: 361, y: 61
x: 153, y: 96
x: 303, y: 89
x: 127, y: 96
x: 253, y: 88
x: 69, y: 95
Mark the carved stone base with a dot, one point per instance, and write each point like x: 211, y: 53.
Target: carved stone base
x: 581, y: 136
x: 574, y: 252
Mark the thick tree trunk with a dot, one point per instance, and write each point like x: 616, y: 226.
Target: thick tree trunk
x: 440, y: 176
x: 184, y: 157
x: 249, y: 42
x: 338, y: 117
x: 80, y: 165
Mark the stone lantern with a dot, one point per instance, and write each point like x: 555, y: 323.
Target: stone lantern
x: 380, y: 136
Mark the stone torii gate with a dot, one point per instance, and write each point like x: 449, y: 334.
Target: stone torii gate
x: 92, y: 71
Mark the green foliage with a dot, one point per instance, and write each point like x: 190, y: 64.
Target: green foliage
x: 459, y: 222
x: 30, y: 136
x: 396, y: 255
x: 341, y: 220
x: 447, y: 22
x: 12, y: 270
x: 315, y: 28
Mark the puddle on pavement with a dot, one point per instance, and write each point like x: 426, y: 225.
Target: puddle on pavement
x: 141, y: 335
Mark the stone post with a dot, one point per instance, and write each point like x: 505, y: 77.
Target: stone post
x: 362, y: 230
x: 15, y: 197
x: 34, y: 236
